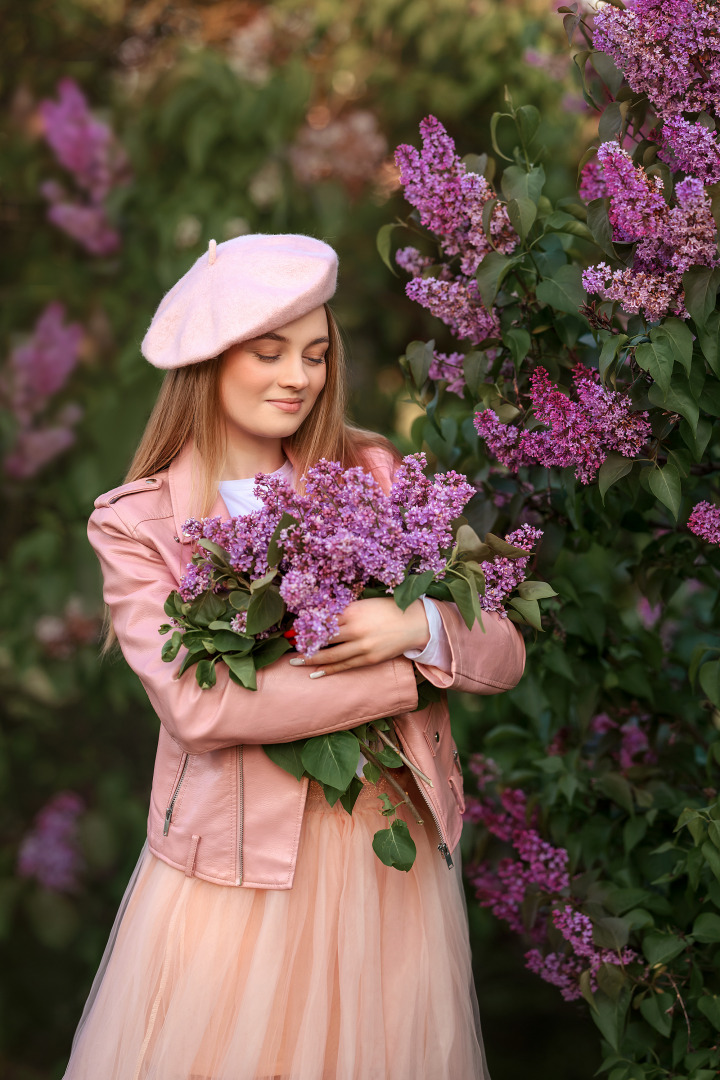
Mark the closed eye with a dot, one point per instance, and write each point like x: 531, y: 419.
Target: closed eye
x: 312, y: 359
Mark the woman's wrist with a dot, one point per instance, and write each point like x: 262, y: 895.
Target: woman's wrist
x: 420, y: 627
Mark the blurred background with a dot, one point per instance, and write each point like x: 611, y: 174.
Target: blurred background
x: 132, y: 133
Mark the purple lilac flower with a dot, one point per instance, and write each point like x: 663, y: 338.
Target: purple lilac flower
x: 502, y: 575
x: 667, y: 49
x: 449, y: 366
x: 704, y: 521
x: 89, y: 151
x: 449, y: 199
x: 348, y: 532
x: 36, y: 371
x: 637, y: 205
x: 49, y: 851
x: 410, y: 260
x: 557, y: 969
x: 579, y: 433
x: 458, y: 304
x: 691, y: 147
x: 592, y: 183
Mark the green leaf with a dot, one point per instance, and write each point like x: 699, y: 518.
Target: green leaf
x: 709, y: 1006
x: 267, y: 652
x: 411, y: 588
x: 517, y: 183
x: 395, y: 846
x: 527, y: 119
x: 611, y: 933
x: 522, y: 213
x: 706, y: 927
x: 613, y: 468
x: 371, y: 772
x: 242, y: 670
x: 475, y: 366
x: 384, y: 244
x: 658, y: 359
x: 266, y: 609
x: 206, y: 609
x: 389, y: 758
x: 564, y: 291
x: 261, y: 583
x: 712, y: 857
x: 349, y: 797
x: 710, y: 680
x: 240, y: 599
x: 608, y: 353
x: 518, y: 342
x: 697, y: 442
x: 229, y: 641
x: 618, y: 789
x: 665, y: 486
x: 205, y: 674
x: 419, y: 356
x: 501, y: 547
x: 490, y: 274
x: 662, y: 948
x: 221, y: 556
x: 708, y: 334
x: 173, y: 605
x: 287, y: 756
x: 599, y: 225
x: 677, y: 335
x: 332, y: 759
x: 654, y: 1008
x: 535, y: 590
x: 171, y: 648
x: 462, y: 590
x: 530, y: 611
x: 678, y: 399
x: 701, y: 285
x: 274, y: 552
x: 610, y: 75
x: 494, y: 121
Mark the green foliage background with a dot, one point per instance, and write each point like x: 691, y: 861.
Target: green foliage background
x: 200, y: 129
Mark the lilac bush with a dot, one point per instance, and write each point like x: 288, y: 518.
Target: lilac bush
x: 49, y: 852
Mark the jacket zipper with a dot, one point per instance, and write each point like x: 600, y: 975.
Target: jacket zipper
x: 171, y: 804
x: 442, y: 846
x: 239, y: 877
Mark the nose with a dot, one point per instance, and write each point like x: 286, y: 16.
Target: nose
x: 293, y: 373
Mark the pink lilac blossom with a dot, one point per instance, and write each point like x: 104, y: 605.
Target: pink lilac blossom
x: 592, y: 183
x: 558, y: 970
x: 49, y: 852
x: 347, y: 532
x: 89, y: 151
x: 449, y: 367
x: 667, y: 49
x: 410, y: 260
x: 502, y: 574
x: 691, y: 147
x: 450, y: 200
x: 458, y: 304
x: 704, y: 521
x: 637, y: 203
x: 578, y: 433
x: 35, y: 372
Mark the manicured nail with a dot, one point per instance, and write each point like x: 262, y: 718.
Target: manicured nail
x: 296, y: 661
x: 316, y: 674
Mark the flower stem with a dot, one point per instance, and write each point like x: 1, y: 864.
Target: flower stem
x: 391, y: 780
x: 398, y: 751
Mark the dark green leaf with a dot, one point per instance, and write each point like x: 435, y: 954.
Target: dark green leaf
x: 701, y: 285
x: 518, y: 341
x: 527, y: 118
x: 709, y: 339
x: 205, y: 674
x: 371, y: 772
x: 678, y: 399
x: 610, y: 75
x: 229, y: 641
x: 613, y: 468
x: 530, y: 611
x: 611, y: 933
x: 395, y: 846
x: 662, y: 948
x: 287, y: 756
x: 242, y: 670
x: 490, y: 274
x: 665, y: 485
x: 517, y: 183
x: 267, y: 652
x: 206, y: 609
x: 332, y: 759
x: 657, y: 357
x: 420, y: 356
x: 709, y: 1006
x: 564, y: 291
x: 475, y: 365
x: 389, y: 758
x: 266, y: 609
x: 411, y: 588
x: 522, y: 213
x: 384, y: 244
x: 349, y: 797
x: 261, y: 583
x: 535, y: 590
x: 240, y: 600
x: 710, y: 680
x: 171, y: 648
x: 599, y: 225
x: 656, y: 1010
x: 274, y: 551
x: 461, y: 590
x: 706, y: 927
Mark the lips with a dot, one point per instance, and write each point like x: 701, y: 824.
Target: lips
x: 285, y: 406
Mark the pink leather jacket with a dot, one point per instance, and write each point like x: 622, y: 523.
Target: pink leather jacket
x: 219, y: 808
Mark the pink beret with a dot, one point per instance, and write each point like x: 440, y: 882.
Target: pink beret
x: 236, y: 291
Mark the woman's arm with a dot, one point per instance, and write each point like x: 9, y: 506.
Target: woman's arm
x: 287, y: 705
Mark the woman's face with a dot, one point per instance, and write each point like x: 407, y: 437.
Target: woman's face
x: 269, y: 384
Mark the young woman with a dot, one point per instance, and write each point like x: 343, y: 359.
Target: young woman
x: 259, y: 937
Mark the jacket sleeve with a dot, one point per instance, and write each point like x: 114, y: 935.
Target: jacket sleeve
x: 287, y: 704
x: 484, y: 660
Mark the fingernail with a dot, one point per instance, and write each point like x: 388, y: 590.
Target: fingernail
x: 296, y: 661
x: 316, y: 674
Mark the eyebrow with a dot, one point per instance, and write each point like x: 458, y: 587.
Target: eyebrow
x: 272, y: 336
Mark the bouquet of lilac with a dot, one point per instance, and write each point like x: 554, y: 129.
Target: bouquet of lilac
x: 278, y: 578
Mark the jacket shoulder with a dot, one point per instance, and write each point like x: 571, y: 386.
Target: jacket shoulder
x: 143, y: 486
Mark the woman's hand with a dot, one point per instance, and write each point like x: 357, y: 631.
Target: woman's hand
x: 370, y: 631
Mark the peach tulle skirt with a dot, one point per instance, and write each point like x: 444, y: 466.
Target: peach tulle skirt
x: 359, y: 972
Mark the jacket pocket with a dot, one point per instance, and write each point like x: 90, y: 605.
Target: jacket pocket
x: 456, y: 780
x: 183, y: 767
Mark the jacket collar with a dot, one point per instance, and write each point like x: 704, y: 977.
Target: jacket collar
x: 184, y: 480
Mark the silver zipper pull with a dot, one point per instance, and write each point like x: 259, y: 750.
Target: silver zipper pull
x: 445, y: 852
x: 168, y: 815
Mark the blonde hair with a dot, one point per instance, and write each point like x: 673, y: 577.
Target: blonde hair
x: 188, y: 406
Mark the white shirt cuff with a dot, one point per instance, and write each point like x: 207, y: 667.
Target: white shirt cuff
x: 437, y: 651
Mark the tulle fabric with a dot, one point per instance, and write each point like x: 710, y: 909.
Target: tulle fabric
x: 359, y: 972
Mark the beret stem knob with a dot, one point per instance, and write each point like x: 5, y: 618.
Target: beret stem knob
x: 212, y: 252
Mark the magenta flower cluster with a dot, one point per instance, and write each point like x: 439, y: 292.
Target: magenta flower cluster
x: 347, y: 534
x: 579, y: 432
x: 704, y: 521
x: 450, y: 201
x: 36, y: 371
x: 49, y: 852
x: 89, y: 151
x: 632, y: 740
x: 669, y: 239
x: 502, y: 575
